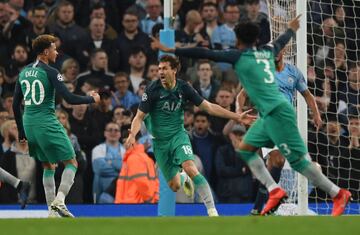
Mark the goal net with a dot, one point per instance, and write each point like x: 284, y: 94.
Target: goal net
x: 333, y: 75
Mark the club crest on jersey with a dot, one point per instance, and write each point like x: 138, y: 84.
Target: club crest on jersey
x: 144, y: 97
x: 60, y: 77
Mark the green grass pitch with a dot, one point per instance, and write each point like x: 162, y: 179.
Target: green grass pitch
x: 314, y: 225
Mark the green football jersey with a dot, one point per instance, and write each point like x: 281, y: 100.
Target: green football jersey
x: 166, y: 107
x: 256, y: 70
x: 39, y: 94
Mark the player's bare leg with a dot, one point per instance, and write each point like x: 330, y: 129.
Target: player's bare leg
x: 67, y: 180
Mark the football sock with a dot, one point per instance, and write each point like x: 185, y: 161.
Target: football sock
x: 257, y: 167
x: 67, y: 180
x: 203, y: 189
x: 49, y: 185
x: 262, y: 194
x: 319, y: 180
x: 8, y: 178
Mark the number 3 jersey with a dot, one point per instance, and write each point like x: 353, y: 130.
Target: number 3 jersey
x: 166, y: 107
x: 255, y: 68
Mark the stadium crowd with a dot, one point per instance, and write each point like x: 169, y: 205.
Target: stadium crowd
x: 106, y: 46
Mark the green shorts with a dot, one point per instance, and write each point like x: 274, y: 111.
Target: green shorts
x: 279, y: 127
x: 170, y: 154
x: 49, y: 143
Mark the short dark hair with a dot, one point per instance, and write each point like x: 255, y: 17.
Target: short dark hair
x: 203, y: 61
x: 42, y: 42
x: 172, y: 60
x: 136, y: 50
x: 247, y: 32
x: 97, y: 6
x: 39, y: 8
x: 252, y: 2
x: 208, y: 4
x: 95, y: 51
x: 201, y: 114
x: 230, y: 4
x: 121, y: 74
x: 156, y: 29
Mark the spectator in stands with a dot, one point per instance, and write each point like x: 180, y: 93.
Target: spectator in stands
x: 130, y: 37
x: 153, y: 16
x: 66, y: 29
x: 189, y: 118
x: 209, y: 14
x: 98, y: 11
x: 177, y: 18
x: 17, y: 161
x: 138, y: 181
x: 98, y: 71
x: 137, y: 62
x: 96, y: 39
x: 39, y: 21
x: 7, y: 101
x: 15, y: 26
x: 189, y: 36
x: 122, y: 116
x: 350, y: 94
x: 235, y: 184
x: 205, y: 144
x: 225, y: 99
x: 4, y: 116
x: 107, y: 159
x: 123, y: 96
x: 102, y: 113
x: 70, y: 70
x: 254, y: 15
x: 76, y: 192
x: 206, y: 86
x: 152, y: 72
x: 142, y: 86
x: 19, y: 59
x: 223, y: 36
x: 86, y: 129
x: 322, y: 39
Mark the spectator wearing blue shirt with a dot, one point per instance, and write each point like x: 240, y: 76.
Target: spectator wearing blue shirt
x: 123, y: 96
x: 153, y: 16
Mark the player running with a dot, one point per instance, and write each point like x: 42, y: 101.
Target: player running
x: 277, y: 123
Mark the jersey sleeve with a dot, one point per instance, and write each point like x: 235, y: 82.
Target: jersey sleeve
x: 229, y: 56
x: 146, y: 100
x: 192, y: 95
x: 57, y: 81
x: 301, y: 85
x: 17, y: 98
x: 280, y: 42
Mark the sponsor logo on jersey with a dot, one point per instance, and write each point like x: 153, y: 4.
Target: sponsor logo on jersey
x: 144, y: 97
x: 60, y: 77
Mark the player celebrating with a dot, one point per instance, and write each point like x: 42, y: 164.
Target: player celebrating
x: 164, y: 102
x: 289, y: 79
x: 277, y: 126
x: 47, y: 139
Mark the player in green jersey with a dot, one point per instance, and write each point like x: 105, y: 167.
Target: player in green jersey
x: 164, y: 101
x: 47, y: 139
x: 277, y: 123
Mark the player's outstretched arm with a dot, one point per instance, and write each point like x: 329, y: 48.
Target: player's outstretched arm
x: 216, y: 110
x: 280, y: 42
x: 17, y: 98
x: 70, y: 97
x: 135, y: 128
x: 228, y: 56
x: 310, y: 101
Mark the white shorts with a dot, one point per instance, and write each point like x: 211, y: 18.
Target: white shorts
x: 266, y: 151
